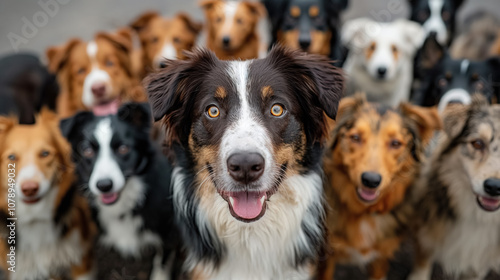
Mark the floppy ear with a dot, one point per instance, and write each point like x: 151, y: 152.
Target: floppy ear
x: 50, y: 120
x: 431, y: 53
x: 71, y: 125
x: 136, y: 114
x: 356, y: 33
x: 194, y: 26
x: 426, y: 119
x: 58, y: 56
x: 143, y: 20
x: 455, y: 115
x: 348, y: 108
x: 412, y: 32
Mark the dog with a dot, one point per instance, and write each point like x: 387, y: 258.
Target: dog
x: 247, y: 136
x: 54, y: 233
x: 127, y: 181
x: 163, y: 38
x: 231, y: 28
x: 95, y: 75
x: 447, y: 80
x: 436, y: 16
x: 373, y: 158
x: 456, y: 224
x: 312, y: 26
x: 25, y: 87
x: 380, y: 59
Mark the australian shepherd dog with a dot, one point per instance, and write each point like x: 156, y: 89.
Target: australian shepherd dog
x: 248, y: 187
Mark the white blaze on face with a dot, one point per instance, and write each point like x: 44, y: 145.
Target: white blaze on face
x: 230, y: 8
x: 167, y: 52
x: 94, y: 77
x: 435, y: 21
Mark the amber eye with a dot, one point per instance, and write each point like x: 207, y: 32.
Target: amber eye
x: 12, y: 157
x: 88, y: 152
x: 213, y: 112
x: 396, y: 144
x: 123, y: 149
x: 356, y: 138
x: 277, y: 110
x: 44, y: 154
x: 478, y: 144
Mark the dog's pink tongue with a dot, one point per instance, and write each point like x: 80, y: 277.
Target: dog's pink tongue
x: 105, y: 109
x: 108, y: 198
x: 247, y: 205
x: 368, y: 195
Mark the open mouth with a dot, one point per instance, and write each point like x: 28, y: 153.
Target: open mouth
x: 489, y: 204
x: 368, y: 195
x: 29, y: 200
x: 109, y: 107
x: 246, y: 206
x: 109, y: 198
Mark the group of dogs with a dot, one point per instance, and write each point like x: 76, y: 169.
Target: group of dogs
x: 235, y: 162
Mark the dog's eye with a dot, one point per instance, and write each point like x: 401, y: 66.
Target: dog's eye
x: 277, y: 110
x: 88, y: 152
x: 394, y: 49
x: 12, y: 157
x: 123, y: 149
x: 479, y: 86
x: 44, y: 154
x: 355, y: 138
x: 373, y: 46
x: 478, y: 144
x: 177, y: 40
x: 396, y: 144
x: 239, y: 21
x: 445, y: 15
x: 443, y: 82
x: 109, y: 63
x: 213, y: 111
x: 423, y: 15
x: 218, y: 19
x: 154, y: 40
x: 81, y: 70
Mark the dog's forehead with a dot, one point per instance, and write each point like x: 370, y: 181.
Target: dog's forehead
x: 486, y: 122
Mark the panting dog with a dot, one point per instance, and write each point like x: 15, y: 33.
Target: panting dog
x: 458, y: 194
x: 380, y: 59
x: 95, y: 75
x: 127, y: 181
x: 54, y: 232
x: 447, y: 80
x: 312, y: 26
x: 436, y: 16
x: 231, y: 28
x: 163, y: 38
x: 248, y: 186
x: 374, y: 156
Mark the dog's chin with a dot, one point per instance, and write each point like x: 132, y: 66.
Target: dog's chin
x: 488, y: 204
x: 246, y: 206
x: 366, y: 195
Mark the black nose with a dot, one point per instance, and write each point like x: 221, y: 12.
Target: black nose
x: 226, y: 40
x: 245, y: 167
x: 104, y: 185
x: 492, y: 186
x: 304, y: 44
x: 371, y: 179
x: 382, y: 71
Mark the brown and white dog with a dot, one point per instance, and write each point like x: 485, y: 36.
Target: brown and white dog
x: 374, y: 158
x: 53, y: 231
x: 232, y: 28
x: 95, y: 75
x: 247, y: 189
x: 163, y: 38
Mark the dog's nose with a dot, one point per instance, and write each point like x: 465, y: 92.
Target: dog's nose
x: 371, y: 179
x: 245, y: 167
x: 98, y: 89
x: 381, y: 71
x: 492, y: 186
x: 226, y: 41
x: 304, y: 44
x: 104, y: 185
x: 30, y: 188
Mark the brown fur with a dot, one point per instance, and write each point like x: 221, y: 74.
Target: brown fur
x: 242, y: 31
x: 320, y: 41
x: 18, y: 140
x: 369, y: 228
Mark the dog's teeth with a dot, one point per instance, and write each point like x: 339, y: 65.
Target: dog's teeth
x: 231, y: 200
x: 262, y: 199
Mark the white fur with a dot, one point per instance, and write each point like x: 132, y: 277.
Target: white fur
x: 464, y: 66
x: 95, y: 76
x: 167, y: 52
x: 435, y: 22
x: 230, y: 8
x: 454, y: 94
x: 362, y: 73
x: 32, y: 173
x: 105, y: 166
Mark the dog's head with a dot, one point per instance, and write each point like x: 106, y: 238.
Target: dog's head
x: 474, y: 140
x: 96, y: 74
x: 382, y: 47
x: 231, y: 23
x: 376, y: 151
x: 247, y: 125
x: 110, y: 150
x: 36, y: 158
x: 436, y: 16
x: 165, y: 38
x: 448, y: 80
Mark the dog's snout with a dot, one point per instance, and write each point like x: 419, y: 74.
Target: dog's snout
x: 371, y: 179
x: 492, y: 186
x: 246, y: 167
x: 30, y: 188
x: 304, y: 44
x: 98, y: 89
x: 104, y: 185
x: 381, y: 71
x: 226, y: 41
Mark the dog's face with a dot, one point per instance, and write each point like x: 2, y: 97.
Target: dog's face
x: 246, y: 125
x: 436, y: 16
x: 231, y: 23
x: 109, y: 150
x: 382, y: 47
x: 378, y: 148
x: 165, y: 38
x: 474, y: 133
x: 455, y: 80
x: 94, y: 74
x: 37, y: 155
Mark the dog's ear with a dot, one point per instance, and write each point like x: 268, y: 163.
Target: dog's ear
x: 58, y: 56
x: 136, y: 114
x: 431, y: 53
x: 348, y: 108
x: 426, y: 119
x: 413, y: 34
x: 194, y: 26
x: 70, y: 126
x: 142, y: 21
x: 356, y: 33
x: 207, y: 5
x: 494, y: 68
x: 50, y: 121
x: 455, y: 115
x: 6, y: 124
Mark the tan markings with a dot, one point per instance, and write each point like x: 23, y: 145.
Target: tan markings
x: 220, y: 92
x: 267, y: 91
x: 370, y: 50
x: 295, y: 11
x: 395, y: 52
x: 313, y: 11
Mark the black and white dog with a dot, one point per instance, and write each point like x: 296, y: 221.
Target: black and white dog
x: 248, y: 188
x: 128, y: 182
x: 436, y: 16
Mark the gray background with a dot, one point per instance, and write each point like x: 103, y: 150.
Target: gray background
x: 79, y: 18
